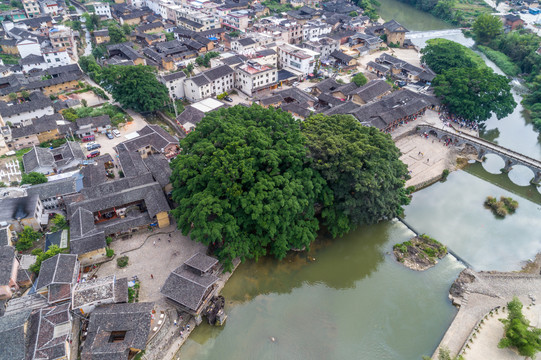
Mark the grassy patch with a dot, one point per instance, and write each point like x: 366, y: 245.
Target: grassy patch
x: 501, y: 60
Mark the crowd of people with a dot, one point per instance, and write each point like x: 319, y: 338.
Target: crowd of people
x: 448, y: 118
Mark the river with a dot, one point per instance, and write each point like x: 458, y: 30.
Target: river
x: 354, y: 301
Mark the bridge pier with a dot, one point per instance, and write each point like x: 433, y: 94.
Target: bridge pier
x: 480, y: 154
x: 537, y: 178
x: 508, y: 165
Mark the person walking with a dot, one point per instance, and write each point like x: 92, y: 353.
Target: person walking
x: 152, y: 276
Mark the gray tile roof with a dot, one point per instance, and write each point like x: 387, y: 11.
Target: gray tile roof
x: 100, y: 289
x: 94, y: 121
x: 187, y: 288
x: 60, y: 269
x: 7, y: 258
x: 159, y: 167
x: 18, y: 208
x: 12, y: 335
x: 133, y: 319
x: 373, y: 89
x: 394, y: 26
x: 200, y: 80
x: 37, y: 101
x: 218, y: 72
x: 201, y: 262
x: 51, y: 341
x: 174, y: 76
x: 152, y: 135
x: 4, y: 236
x: 55, y: 188
x: 190, y: 115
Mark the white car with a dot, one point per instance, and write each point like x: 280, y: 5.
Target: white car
x: 88, y: 144
x: 295, y: 84
x: 116, y: 132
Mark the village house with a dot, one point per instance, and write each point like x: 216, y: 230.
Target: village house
x: 47, y: 161
x: 253, y: 78
x: 22, y: 113
x: 92, y: 125
x: 118, y: 330
x: 297, y: 60
x: 372, y: 90
x: 101, y: 9
x: 9, y: 266
x: 152, y: 139
x: 194, y: 113
x: 512, y: 21
x: 402, y: 70
x: 190, y: 286
x: 324, y: 46
x: 57, y: 278
x: 86, y: 296
x: 243, y: 45
x: 22, y: 211
x: 31, y: 8
x: 174, y: 83
x: 209, y: 83
x: 296, y: 102
x: 51, y: 193
x: 113, y: 208
x: 39, y: 131
x: 125, y: 51
x: 394, y: 32
x: 101, y: 36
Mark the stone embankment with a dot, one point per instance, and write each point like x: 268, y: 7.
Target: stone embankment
x: 477, y: 293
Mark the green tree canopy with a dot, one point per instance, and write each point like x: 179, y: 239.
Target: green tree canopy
x: 486, y: 27
x: 244, y: 186
x: 26, y: 238
x: 359, y: 79
x: 362, y: 167
x: 33, y: 178
x: 116, y: 35
x: 475, y: 93
x: 42, y: 256
x: 135, y: 87
x: 442, y: 54
x: 518, y: 333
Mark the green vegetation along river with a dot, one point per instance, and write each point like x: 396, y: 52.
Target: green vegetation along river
x: 355, y: 301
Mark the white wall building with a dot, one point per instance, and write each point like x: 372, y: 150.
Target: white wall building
x: 174, y: 83
x: 212, y: 82
x: 101, y: 9
x: 253, y: 77
x: 297, y: 60
x: 313, y: 30
x: 56, y: 57
x: 28, y: 46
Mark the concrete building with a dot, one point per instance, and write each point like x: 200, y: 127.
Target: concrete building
x: 297, y: 60
x: 61, y: 37
x: 212, y: 82
x: 22, y: 114
x: 101, y: 9
x: 236, y: 20
x: 31, y: 8
x: 253, y: 78
x: 324, y: 46
x: 174, y: 83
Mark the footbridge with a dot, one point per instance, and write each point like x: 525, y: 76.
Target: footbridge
x: 484, y: 147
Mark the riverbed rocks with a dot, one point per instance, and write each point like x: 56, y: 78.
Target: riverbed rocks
x: 459, y: 287
x: 420, y: 253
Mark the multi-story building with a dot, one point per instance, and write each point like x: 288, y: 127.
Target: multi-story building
x: 237, y: 20
x: 31, y: 8
x: 195, y: 20
x: 22, y: 114
x: 101, y: 9
x: 209, y: 83
x: 61, y: 37
x: 253, y: 78
x: 314, y: 29
x: 50, y: 7
x: 174, y: 83
x: 55, y: 57
x: 324, y: 46
x: 297, y: 60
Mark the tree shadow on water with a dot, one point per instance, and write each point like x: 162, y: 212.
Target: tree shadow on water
x: 336, y: 263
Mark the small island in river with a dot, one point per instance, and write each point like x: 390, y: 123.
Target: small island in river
x: 420, y: 253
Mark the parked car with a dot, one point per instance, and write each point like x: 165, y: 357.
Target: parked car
x: 228, y: 99
x: 93, y: 154
x: 88, y: 138
x: 295, y: 84
x: 93, y: 147
x: 109, y: 135
x: 116, y: 133
x: 90, y: 143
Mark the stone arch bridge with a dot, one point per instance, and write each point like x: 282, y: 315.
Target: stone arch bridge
x: 484, y: 147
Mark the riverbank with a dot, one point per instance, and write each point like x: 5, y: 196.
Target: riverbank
x: 477, y: 294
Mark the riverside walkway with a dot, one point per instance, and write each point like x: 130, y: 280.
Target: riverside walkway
x: 484, y: 147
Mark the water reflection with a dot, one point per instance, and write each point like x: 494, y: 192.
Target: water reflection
x: 357, y: 262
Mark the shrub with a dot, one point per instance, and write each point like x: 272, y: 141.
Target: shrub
x: 26, y: 239
x: 108, y: 240
x: 510, y: 204
x: 122, y: 261
x: 110, y: 253
x: 359, y: 79
x: 444, y: 174
x: 518, y: 332
x: 221, y: 96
